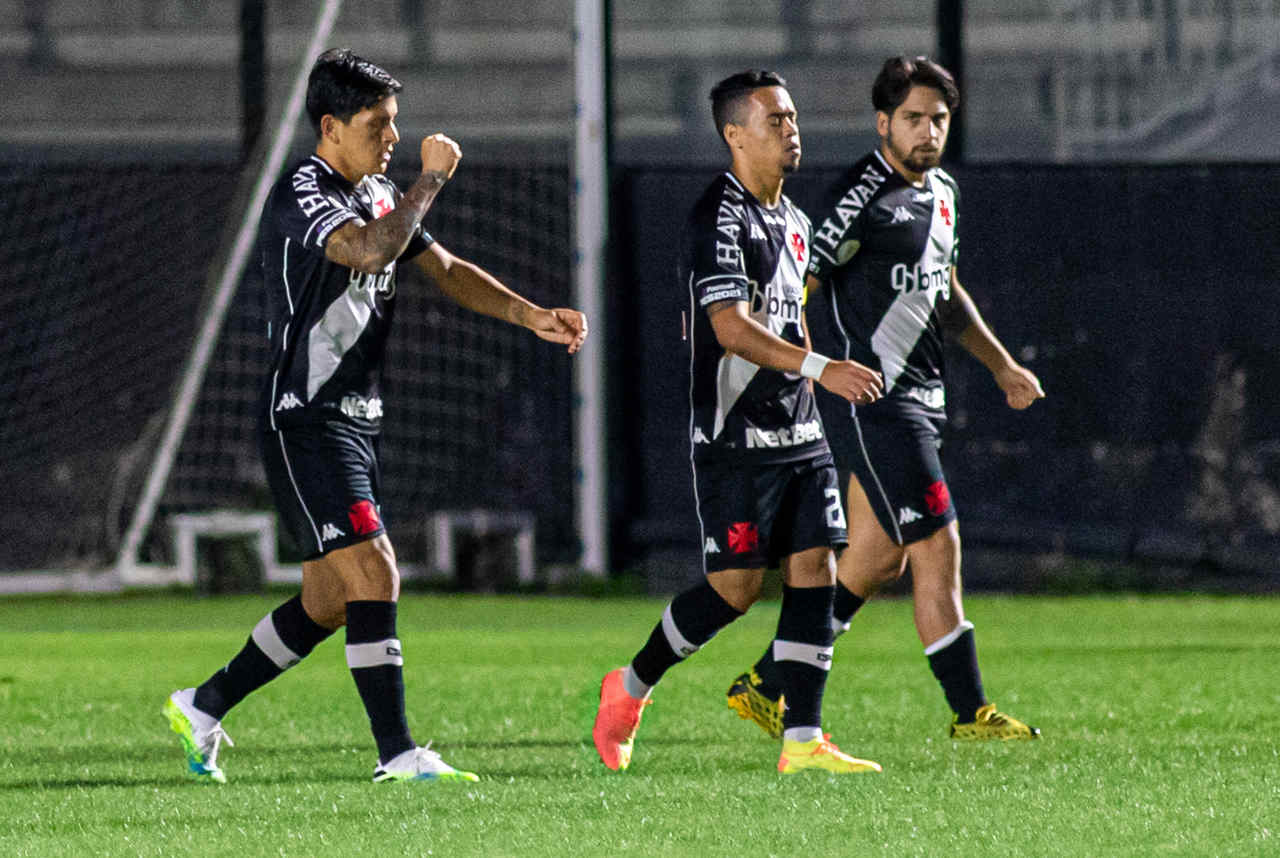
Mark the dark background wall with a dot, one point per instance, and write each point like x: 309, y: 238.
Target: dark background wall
x: 1145, y: 298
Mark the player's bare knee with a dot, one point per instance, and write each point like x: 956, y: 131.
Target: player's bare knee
x: 370, y: 572
x: 739, y: 588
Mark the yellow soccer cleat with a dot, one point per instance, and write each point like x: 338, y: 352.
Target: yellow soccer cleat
x: 753, y: 704
x: 617, y: 719
x: 821, y: 754
x: 990, y: 723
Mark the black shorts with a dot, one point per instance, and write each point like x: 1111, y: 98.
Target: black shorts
x: 752, y: 516
x: 894, y: 457
x: 325, y: 482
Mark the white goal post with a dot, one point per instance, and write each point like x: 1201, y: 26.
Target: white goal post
x: 128, y: 570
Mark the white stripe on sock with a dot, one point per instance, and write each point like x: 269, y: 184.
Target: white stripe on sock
x: 801, y: 734
x: 818, y: 656
x: 268, y: 640
x: 375, y: 654
x: 678, y: 643
x: 633, y: 685
x: 949, y: 638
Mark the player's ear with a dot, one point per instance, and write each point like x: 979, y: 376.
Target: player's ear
x: 731, y: 133
x: 882, y: 123
x: 329, y: 128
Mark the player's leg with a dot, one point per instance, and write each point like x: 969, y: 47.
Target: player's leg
x: 688, y: 623
x: 283, y: 637
x: 280, y: 640
x: 871, y: 560
x: 734, y: 552
x: 948, y: 639
x: 802, y: 650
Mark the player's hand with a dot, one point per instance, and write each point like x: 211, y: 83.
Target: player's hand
x: 859, y: 384
x: 564, y: 326
x: 1020, y: 386
x: 440, y: 154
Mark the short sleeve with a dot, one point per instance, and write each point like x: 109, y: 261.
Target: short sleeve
x: 306, y: 212
x: 716, y: 267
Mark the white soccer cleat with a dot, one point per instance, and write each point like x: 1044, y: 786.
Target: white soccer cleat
x: 419, y: 764
x: 200, y: 735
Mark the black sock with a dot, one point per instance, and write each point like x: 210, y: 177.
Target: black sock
x: 377, y: 666
x: 692, y: 619
x: 845, y: 606
x: 956, y: 667
x: 280, y: 640
x: 802, y: 650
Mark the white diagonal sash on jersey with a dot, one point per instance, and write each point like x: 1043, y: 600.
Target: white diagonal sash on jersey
x: 732, y: 377
x: 899, y: 331
x: 334, y: 335
x: 907, y: 317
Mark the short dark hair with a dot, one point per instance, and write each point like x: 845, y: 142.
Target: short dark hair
x: 728, y: 95
x: 343, y: 84
x: 899, y: 74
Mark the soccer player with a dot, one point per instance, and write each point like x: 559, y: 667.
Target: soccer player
x: 764, y: 482
x: 333, y: 231
x: 887, y: 248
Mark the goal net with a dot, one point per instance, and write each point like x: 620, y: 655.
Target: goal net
x: 103, y: 273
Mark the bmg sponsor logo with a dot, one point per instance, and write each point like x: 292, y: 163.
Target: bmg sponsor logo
x: 916, y: 278
x: 780, y: 305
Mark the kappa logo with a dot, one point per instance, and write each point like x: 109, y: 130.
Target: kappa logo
x: 756, y: 232
x: 710, y: 546
x: 944, y: 211
x: 380, y: 208
x: 330, y: 532
x: 901, y: 214
x: 699, y: 437
x: 906, y: 515
x: 289, y: 400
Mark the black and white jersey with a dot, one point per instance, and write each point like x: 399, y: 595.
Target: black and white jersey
x: 735, y: 249
x: 886, y: 250
x: 329, y: 323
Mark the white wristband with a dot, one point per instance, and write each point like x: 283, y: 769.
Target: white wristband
x: 813, y: 365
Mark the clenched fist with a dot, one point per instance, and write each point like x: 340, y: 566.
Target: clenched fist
x: 440, y: 155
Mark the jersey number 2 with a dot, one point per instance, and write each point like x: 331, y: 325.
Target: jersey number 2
x: 835, y: 512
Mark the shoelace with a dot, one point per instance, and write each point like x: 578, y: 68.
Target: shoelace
x: 217, y: 734
x: 996, y: 718
x: 425, y: 759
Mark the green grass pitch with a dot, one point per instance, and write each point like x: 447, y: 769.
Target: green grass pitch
x: 1161, y: 720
